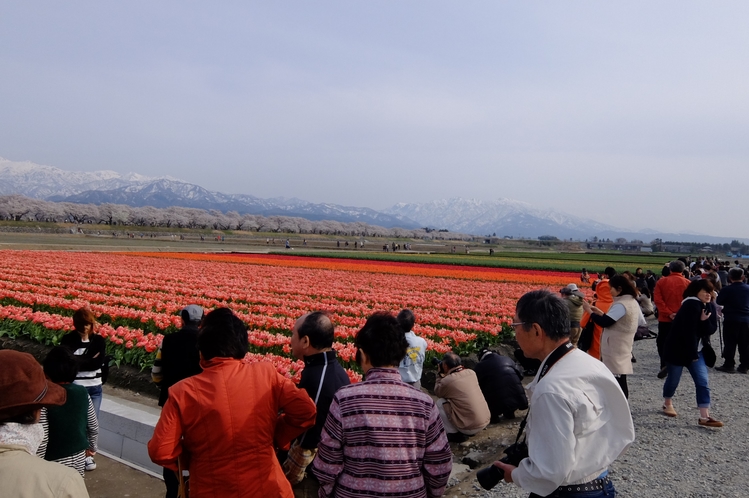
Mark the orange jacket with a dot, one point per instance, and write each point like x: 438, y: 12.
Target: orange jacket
x: 603, y: 302
x: 668, y: 295
x: 226, y: 421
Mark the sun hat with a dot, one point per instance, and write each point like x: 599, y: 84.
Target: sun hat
x: 23, y: 386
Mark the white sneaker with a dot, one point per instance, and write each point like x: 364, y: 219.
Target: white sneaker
x: 90, y: 464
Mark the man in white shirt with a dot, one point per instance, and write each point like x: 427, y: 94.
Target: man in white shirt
x: 579, y: 420
x: 413, y: 363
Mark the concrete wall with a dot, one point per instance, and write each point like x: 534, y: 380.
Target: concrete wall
x: 124, y: 431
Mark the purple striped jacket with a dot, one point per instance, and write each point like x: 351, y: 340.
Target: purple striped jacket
x: 383, y: 437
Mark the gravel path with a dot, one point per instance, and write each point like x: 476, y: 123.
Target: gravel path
x: 674, y: 457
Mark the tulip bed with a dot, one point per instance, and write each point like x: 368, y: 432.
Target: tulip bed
x: 137, y: 298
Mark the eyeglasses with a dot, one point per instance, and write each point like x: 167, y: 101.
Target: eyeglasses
x: 518, y: 324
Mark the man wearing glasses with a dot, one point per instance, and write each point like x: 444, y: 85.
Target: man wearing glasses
x: 579, y: 420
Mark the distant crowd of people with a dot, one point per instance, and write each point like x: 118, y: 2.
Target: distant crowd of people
x: 229, y: 427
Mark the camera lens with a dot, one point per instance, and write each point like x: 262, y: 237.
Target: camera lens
x: 490, y: 476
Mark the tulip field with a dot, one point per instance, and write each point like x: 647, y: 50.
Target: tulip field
x: 138, y: 296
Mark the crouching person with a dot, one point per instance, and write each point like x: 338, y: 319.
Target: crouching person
x: 499, y: 379
x: 462, y: 406
x: 312, y: 341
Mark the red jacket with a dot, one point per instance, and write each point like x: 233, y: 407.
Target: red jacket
x: 226, y: 421
x: 668, y: 295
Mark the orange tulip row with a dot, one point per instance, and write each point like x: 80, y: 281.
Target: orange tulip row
x: 139, y: 296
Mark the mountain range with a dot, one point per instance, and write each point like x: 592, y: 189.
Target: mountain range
x: 501, y: 217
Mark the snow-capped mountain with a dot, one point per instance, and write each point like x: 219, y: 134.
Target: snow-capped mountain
x: 501, y: 216
x: 98, y: 187
x: 163, y: 193
x: 41, y: 182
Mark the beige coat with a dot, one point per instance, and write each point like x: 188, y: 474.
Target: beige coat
x: 466, y: 407
x: 23, y: 475
x: 617, y: 340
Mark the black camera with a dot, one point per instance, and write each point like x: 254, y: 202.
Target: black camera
x: 490, y: 476
x: 436, y: 362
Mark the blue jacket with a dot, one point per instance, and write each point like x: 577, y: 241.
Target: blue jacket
x: 735, y: 302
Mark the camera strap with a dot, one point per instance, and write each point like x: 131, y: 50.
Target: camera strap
x: 554, y: 357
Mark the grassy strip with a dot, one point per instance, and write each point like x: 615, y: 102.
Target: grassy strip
x: 572, y: 262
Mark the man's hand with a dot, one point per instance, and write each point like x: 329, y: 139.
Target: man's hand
x: 507, y: 468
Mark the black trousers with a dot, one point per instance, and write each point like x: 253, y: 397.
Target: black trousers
x: 736, y: 335
x: 172, y: 483
x: 664, y: 328
x: 622, y: 380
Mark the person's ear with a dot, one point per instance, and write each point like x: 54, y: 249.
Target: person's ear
x: 304, y: 342
x: 536, y: 329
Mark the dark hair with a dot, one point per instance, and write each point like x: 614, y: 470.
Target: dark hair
x: 383, y: 339
x: 319, y: 328
x: 83, y: 317
x: 609, y: 271
x: 452, y: 360
x: 222, y: 334
x: 623, y: 283
x: 60, y: 365
x: 548, y: 310
x: 736, y: 274
x: 645, y: 291
x: 695, y: 286
x: 406, y: 319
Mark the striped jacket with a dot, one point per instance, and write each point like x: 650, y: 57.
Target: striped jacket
x: 383, y: 438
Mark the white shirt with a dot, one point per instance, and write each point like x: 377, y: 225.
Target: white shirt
x: 413, y: 363
x: 618, y: 310
x: 579, y: 423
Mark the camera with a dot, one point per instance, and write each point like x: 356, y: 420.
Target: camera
x: 490, y: 476
x: 436, y: 362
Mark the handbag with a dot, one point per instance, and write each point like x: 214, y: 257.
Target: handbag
x: 708, y: 354
x: 297, y: 462
x: 586, y: 336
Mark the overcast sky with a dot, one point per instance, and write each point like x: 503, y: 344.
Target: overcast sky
x: 634, y: 114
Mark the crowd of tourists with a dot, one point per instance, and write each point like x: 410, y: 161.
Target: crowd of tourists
x: 231, y: 428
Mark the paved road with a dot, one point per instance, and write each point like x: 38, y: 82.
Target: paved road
x: 112, y: 479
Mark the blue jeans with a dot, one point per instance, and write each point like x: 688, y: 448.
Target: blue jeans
x: 95, y: 393
x: 698, y: 369
x: 608, y: 491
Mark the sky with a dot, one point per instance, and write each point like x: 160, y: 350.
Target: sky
x: 634, y: 114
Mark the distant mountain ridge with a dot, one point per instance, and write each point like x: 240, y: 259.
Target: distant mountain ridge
x: 99, y: 187
x: 41, y: 182
x: 503, y: 217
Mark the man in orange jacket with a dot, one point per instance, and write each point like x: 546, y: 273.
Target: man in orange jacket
x: 668, y: 295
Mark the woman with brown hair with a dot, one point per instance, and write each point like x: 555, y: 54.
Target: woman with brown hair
x: 89, y: 349
x: 619, y: 324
